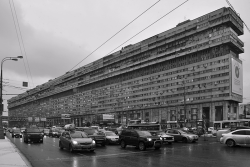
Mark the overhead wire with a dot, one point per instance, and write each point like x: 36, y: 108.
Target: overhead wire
x: 22, y: 43
x: 148, y: 26
x: 115, y: 34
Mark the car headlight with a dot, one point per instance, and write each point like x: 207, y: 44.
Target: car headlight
x: 160, y: 138
x: 149, y: 139
x: 74, y: 142
x: 93, y: 141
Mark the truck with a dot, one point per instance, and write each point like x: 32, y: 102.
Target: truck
x: 33, y: 135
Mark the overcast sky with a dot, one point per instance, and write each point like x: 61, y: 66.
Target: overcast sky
x: 58, y: 34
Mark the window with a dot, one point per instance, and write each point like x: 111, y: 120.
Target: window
x: 241, y: 132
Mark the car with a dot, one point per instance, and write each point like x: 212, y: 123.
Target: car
x: 139, y: 139
x: 166, y: 139
x: 95, y: 135
x: 111, y: 137
x: 76, y: 141
x: 16, y: 133
x: 23, y: 129
x: 55, y: 132
x: 181, y: 135
x: 33, y: 134
x: 46, y: 131
x: 240, y: 137
x: 227, y: 130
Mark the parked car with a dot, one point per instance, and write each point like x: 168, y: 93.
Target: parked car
x: 33, y: 135
x: 111, y: 137
x: 166, y: 139
x: 181, y: 135
x: 16, y: 133
x: 239, y: 137
x: 95, y: 135
x: 76, y: 140
x: 140, y: 139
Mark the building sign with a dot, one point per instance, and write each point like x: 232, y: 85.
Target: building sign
x: 43, y: 119
x: 65, y: 116
x: 30, y: 119
x: 37, y: 119
x: 237, y: 77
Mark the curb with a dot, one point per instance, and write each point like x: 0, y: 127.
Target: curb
x: 26, y: 161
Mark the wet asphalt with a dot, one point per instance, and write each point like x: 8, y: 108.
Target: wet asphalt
x: 204, y: 153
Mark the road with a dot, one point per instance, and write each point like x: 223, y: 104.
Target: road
x: 208, y: 153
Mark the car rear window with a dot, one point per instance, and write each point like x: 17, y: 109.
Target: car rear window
x: 33, y: 130
x: 78, y: 135
x: 144, y: 133
x: 91, y: 131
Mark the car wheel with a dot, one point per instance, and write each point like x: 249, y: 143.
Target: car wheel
x: 60, y: 145
x: 142, y: 146
x: 184, y: 140
x: 71, y: 149
x: 91, y: 150
x: 103, y: 144
x: 41, y: 141
x: 230, y: 143
x: 123, y: 144
x: 12, y: 136
x: 107, y: 142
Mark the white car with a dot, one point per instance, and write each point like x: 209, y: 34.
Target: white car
x: 239, y: 137
x: 111, y: 137
x: 166, y: 139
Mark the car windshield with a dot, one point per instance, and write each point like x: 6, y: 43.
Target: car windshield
x: 78, y: 135
x: 17, y: 130
x: 161, y: 133
x: 144, y: 133
x: 110, y: 134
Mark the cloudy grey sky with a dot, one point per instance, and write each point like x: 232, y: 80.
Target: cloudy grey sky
x: 58, y: 34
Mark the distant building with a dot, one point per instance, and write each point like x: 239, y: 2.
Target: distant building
x: 190, y: 72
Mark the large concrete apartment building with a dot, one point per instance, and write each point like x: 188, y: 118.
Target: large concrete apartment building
x: 188, y: 73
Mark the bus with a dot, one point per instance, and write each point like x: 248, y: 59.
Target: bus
x: 145, y: 126
x: 231, y: 123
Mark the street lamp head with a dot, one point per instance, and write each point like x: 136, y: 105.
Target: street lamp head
x: 20, y: 57
x: 15, y: 59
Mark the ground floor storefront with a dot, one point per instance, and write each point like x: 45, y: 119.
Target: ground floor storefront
x: 172, y: 116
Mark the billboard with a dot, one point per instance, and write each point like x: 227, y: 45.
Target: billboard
x: 108, y: 117
x: 244, y: 109
x: 37, y: 119
x: 237, y: 77
x: 30, y: 119
x: 65, y: 116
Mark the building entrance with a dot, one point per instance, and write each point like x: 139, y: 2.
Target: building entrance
x: 206, y: 116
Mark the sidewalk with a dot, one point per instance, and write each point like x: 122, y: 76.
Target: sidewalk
x: 10, y: 155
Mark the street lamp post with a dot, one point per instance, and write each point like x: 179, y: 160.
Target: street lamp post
x: 1, y: 95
